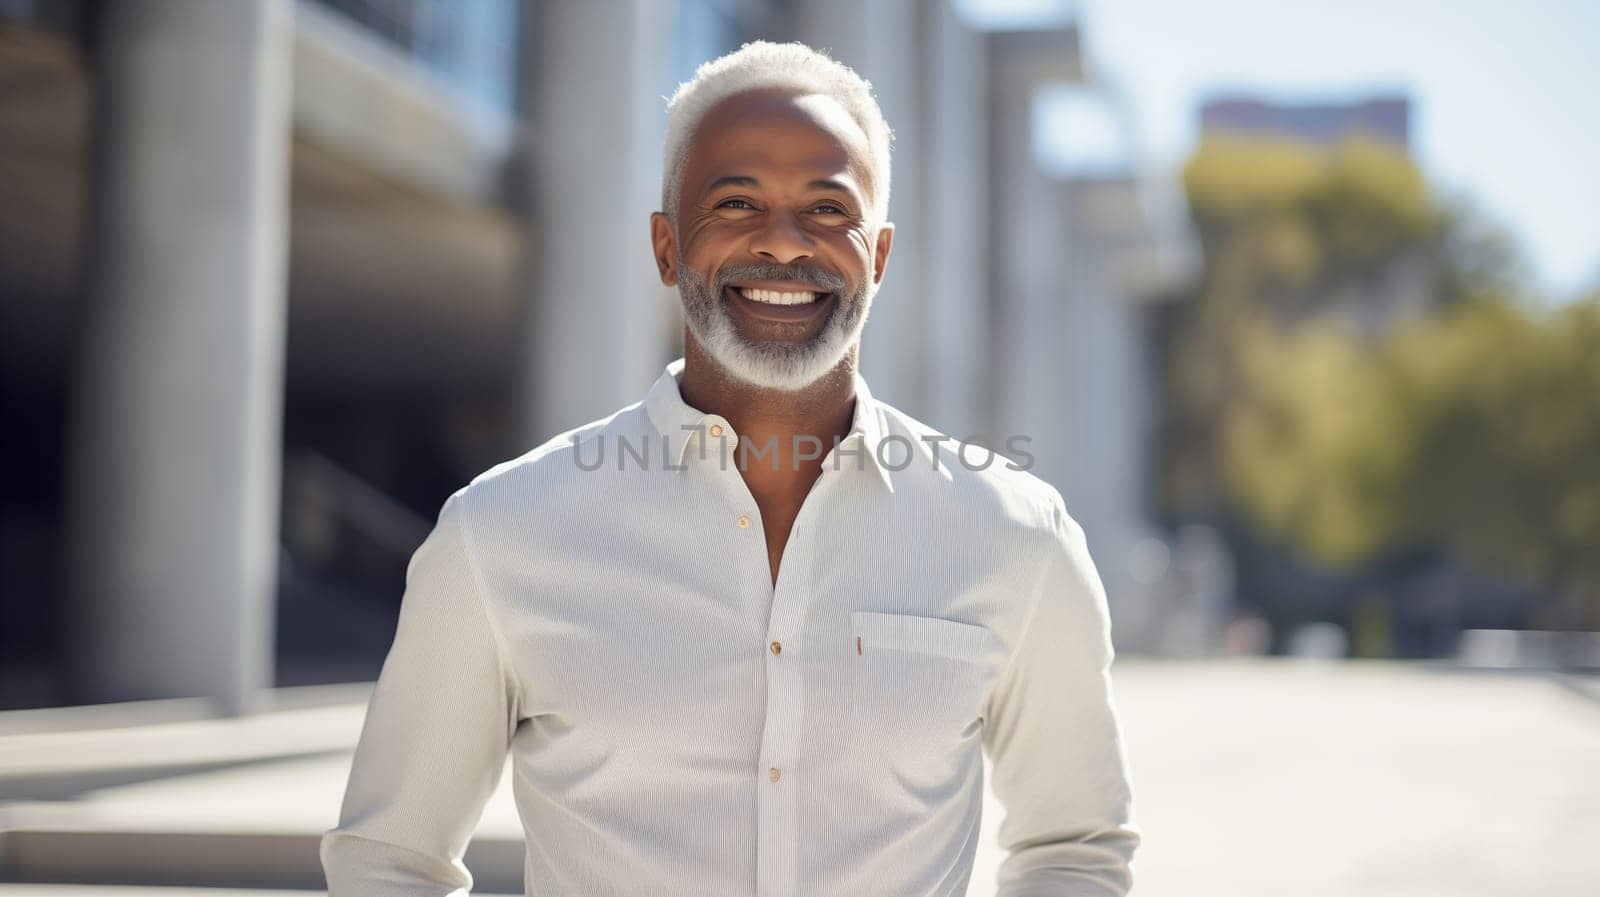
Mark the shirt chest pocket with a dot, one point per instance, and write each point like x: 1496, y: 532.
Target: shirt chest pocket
x: 918, y: 683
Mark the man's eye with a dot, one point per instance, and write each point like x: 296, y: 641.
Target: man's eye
x: 726, y: 201
x: 829, y: 205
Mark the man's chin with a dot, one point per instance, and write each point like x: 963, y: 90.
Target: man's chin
x: 765, y: 363
x: 772, y: 364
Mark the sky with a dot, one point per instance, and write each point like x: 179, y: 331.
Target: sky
x: 1504, y: 95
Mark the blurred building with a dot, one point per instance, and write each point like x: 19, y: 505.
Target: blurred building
x: 1384, y: 118
x: 277, y: 277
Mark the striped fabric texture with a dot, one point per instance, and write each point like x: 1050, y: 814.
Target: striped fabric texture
x: 602, y: 609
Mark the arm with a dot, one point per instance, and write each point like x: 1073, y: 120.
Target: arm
x: 437, y: 729
x: 1052, y: 737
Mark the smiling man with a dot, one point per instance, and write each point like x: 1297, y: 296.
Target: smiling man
x: 753, y: 635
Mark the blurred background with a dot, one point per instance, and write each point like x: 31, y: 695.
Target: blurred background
x: 1300, y: 307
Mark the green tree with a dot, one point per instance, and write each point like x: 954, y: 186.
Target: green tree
x: 1503, y: 460
x: 1288, y: 231
x: 1477, y: 428
x: 1360, y: 369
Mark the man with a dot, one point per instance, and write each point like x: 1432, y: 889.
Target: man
x: 726, y: 677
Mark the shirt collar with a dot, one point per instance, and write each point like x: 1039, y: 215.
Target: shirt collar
x: 670, y: 415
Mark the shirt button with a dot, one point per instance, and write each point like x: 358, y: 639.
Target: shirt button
x: 777, y: 647
x: 716, y: 429
x: 773, y: 773
x: 743, y: 521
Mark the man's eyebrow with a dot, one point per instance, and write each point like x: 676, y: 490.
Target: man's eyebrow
x: 744, y: 180
x: 733, y: 180
x: 832, y: 184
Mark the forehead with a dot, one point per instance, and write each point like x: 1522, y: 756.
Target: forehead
x: 777, y: 132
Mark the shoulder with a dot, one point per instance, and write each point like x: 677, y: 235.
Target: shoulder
x: 982, y: 484
x: 558, y: 470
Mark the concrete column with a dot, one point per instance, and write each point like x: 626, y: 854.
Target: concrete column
x: 955, y: 298
x: 1034, y: 344
x: 599, y: 325
x: 1104, y: 378
x: 173, y: 499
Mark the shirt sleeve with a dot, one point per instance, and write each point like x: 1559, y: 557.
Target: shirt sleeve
x: 1051, y: 733
x: 437, y: 730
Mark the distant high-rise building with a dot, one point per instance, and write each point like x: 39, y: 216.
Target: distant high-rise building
x: 1386, y: 118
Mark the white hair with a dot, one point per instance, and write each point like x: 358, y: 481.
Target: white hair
x: 762, y: 64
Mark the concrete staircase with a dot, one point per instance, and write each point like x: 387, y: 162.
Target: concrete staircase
x: 165, y: 793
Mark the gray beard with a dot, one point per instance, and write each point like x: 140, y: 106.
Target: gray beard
x: 784, y: 366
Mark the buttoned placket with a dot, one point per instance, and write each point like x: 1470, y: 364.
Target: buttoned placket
x: 777, y: 833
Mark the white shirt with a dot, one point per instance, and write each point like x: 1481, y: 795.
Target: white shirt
x: 679, y: 727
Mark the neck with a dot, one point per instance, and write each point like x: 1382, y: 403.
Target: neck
x: 823, y: 409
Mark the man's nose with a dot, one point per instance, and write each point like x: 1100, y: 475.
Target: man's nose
x: 782, y: 239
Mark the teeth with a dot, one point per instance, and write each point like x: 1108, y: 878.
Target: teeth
x: 776, y: 298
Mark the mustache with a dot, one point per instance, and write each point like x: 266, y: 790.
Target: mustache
x: 824, y: 280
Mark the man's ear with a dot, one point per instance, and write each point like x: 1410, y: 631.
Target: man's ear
x: 881, y: 257
x: 666, y: 248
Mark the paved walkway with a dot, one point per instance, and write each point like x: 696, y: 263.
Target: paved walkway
x: 1266, y: 777
x: 1361, y: 779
